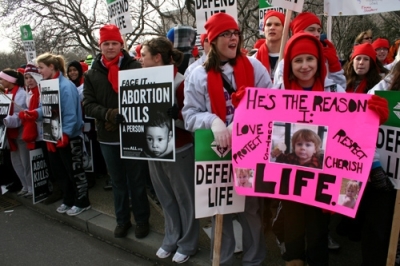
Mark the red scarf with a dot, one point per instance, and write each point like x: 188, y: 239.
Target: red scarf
x: 318, y: 85
x: 244, y: 76
x: 360, y: 88
x: 29, y: 132
x: 12, y: 133
x: 113, y: 69
x: 263, y: 56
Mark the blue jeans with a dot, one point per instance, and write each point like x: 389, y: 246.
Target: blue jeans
x: 128, y: 182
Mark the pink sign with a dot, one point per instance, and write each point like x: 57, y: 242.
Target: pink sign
x: 315, y: 148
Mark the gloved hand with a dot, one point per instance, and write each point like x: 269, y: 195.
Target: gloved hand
x: 21, y: 116
x: 222, y: 136
x: 63, y: 142
x: 50, y: 146
x: 29, y: 115
x: 114, y: 117
x: 380, y: 106
x: 330, y: 54
x: 110, y: 126
x: 173, y: 111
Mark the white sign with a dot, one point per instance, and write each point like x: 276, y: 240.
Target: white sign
x: 118, y: 12
x: 359, y: 7
x: 205, y: 9
x: 295, y: 5
x: 262, y: 12
x: 30, y: 50
x: 51, y: 108
x: 388, y: 145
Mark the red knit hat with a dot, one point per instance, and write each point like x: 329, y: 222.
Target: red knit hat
x: 218, y: 23
x: 137, y: 50
x: 272, y: 13
x: 365, y: 49
x: 21, y: 70
x: 85, y: 66
x: 110, y: 32
x: 380, y: 43
x: 203, y: 38
x: 302, y: 21
x: 303, y: 43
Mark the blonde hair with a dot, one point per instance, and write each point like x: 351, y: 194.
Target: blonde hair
x: 242, y: 172
x: 360, y: 37
x: 353, y: 184
x: 307, y: 135
x: 57, y: 61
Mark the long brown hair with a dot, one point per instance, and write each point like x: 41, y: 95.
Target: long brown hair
x: 373, y: 75
x: 395, y: 78
x: 163, y: 46
x: 213, y: 61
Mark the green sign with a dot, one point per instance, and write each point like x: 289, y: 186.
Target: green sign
x: 26, y: 33
x: 393, y: 98
x: 110, y: 1
x: 264, y: 3
x: 206, y: 150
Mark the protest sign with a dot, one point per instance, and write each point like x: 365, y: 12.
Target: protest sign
x: 214, y: 188
x: 388, y: 143
x: 269, y: 125
x: 359, y: 7
x: 294, y: 5
x: 264, y: 6
x: 40, y: 176
x: 51, y: 108
x: 28, y: 43
x: 5, y: 103
x: 145, y: 95
x: 118, y: 12
x: 206, y: 8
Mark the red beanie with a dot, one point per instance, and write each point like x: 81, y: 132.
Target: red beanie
x: 365, y: 49
x: 380, y: 43
x: 85, y: 66
x: 303, y: 43
x: 110, y: 32
x: 258, y: 43
x: 272, y: 13
x: 218, y: 23
x: 21, y: 70
x: 137, y: 50
x: 203, y: 38
x: 302, y: 21
x: 30, y: 68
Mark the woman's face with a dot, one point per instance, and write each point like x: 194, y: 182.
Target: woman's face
x: 226, y: 44
x: 146, y: 59
x: 6, y: 84
x: 46, y: 71
x: 381, y: 53
x: 314, y: 29
x: 30, y: 82
x: 361, y: 64
x: 73, y: 73
x: 304, y: 67
x: 366, y: 39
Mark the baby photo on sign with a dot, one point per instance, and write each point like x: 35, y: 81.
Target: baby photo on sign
x: 349, y: 193
x: 298, y: 144
x: 244, y: 177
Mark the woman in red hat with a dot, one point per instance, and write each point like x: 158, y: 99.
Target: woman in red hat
x: 381, y: 47
x: 211, y: 94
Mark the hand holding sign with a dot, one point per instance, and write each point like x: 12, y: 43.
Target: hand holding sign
x: 222, y: 135
x: 380, y: 106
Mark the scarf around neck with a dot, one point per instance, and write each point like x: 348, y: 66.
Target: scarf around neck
x: 113, y: 69
x: 263, y: 57
x: 360, y: 88
x: 244, y: 77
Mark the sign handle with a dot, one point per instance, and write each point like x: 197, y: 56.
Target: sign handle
x: 219, y: 218
x: 394, y: 236
x: 125, y: 44
x: 285, y: 33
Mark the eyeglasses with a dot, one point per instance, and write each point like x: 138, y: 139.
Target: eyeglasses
x: 228, y: 34
x: 367, y: 38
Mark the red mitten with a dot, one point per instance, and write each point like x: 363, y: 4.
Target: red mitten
x: 63, y: 142
x: 331, y: 55
x: 31, y: 145
x: 29, y: 131
x: 380, y: 106
x: 21, y: 116
x: 238, y: 96
x: 30, y: 115
x: 51, y: 147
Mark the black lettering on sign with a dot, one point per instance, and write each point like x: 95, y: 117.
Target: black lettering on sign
x: 255, y: 101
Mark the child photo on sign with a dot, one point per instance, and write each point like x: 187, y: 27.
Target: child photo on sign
x: 244, y: 177
x: 55, y: 127
x: 158, y: 134
x: 306, y: 145
x: 349, y: 193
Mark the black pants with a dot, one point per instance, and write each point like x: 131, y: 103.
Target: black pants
x: 66, y: 165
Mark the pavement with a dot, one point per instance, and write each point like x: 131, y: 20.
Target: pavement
x: 100, y: 222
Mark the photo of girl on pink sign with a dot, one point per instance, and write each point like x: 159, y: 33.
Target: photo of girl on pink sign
x: 244, y: 177
x: 306, y: 144
x: 349, y: 193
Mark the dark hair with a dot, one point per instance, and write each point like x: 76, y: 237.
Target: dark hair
x: 395, y: 78
x: 51, y: 59
x: 78, y: 67
x: 15, y: 74
x: 164, y: 47
x: 213, y: 61
x: 160, y: 119
x: 373, y: 75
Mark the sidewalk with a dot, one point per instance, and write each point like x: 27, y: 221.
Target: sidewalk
x: 100, y: 222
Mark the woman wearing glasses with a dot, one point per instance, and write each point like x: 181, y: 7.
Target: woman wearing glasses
x: 209, y: 104
x: 364, y: 37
